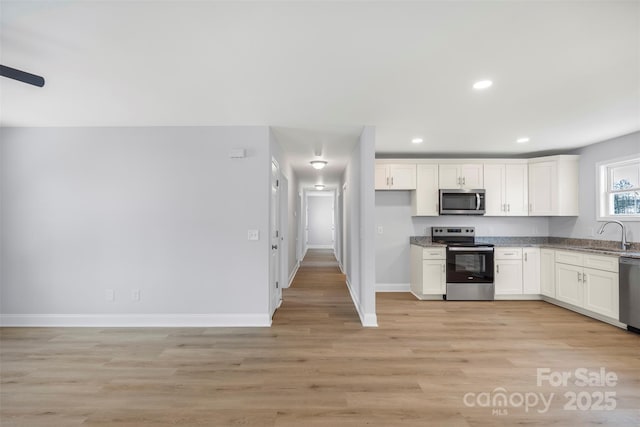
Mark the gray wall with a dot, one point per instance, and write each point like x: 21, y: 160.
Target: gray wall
x: 582, y: 226
x: 163, y: 210
x: 359, y: 205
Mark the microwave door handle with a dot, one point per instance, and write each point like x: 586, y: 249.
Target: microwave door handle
x: 477, y: 201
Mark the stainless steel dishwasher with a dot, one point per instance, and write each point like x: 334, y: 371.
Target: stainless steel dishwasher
x: 630, y: 293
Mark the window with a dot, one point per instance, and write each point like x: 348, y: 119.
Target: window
x: 619, y: 189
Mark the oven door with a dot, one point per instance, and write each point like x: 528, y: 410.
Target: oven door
x: 469, y: 264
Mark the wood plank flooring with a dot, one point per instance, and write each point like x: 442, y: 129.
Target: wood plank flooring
x: 318, y: 367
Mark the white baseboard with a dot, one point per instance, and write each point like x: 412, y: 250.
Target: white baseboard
x: 135, y: 320
x: 393, y: 287
x: 293, y: 273
x: 532, y: 297
x: 368, y: 320
x: 579, y: 310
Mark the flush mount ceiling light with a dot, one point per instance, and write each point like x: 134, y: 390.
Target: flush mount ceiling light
x: 482, y: 84
x: 522, y: 140
x: 318, y: 164
x: 319, y: 186
x: 417, y: 140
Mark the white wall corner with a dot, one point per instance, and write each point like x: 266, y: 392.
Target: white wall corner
x: 293, y: 273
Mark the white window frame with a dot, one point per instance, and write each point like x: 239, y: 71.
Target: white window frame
x: 603, y: 185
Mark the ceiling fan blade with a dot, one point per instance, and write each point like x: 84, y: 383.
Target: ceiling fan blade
x: 21, y: 76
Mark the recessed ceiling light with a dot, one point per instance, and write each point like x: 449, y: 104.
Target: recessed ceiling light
x: 319, y: 186
x: 417, y: 140
x: 522, y: 140
x: 318, y: 164
x: 482, y: 84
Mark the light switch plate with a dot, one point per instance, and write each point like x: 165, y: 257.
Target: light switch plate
x: 253, y: 234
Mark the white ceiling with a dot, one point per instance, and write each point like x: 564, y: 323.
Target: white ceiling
x: 566, y: 73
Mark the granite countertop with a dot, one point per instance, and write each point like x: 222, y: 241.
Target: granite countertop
x: 601, y: 247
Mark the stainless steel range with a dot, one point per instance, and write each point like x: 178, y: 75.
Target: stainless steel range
x: 469, y: 264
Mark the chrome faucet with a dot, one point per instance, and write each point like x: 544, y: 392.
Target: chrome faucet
x: 623, y: 243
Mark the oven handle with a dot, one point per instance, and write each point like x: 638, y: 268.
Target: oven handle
x: 477, y: 201
x: 471, y: 249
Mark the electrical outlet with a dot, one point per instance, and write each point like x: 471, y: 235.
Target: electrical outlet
x: 135, y: 295
x: 253, y: 234
x: 110, y: 295
x: 380, y: 229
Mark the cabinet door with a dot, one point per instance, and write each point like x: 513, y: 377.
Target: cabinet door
x: 547, y: 273
x: 494, y: 186
x: 382, y: 182
x: 424, y: 201
x: 601, y: 292
x: 542, y: 188
x: 402, y: 177
x: 449, y: 176
x: 531, y: 271
x: 568, y: 284
x: 508, y: 277
x: 515, y: 189
x: 433, y: 277
x: 472, y: 176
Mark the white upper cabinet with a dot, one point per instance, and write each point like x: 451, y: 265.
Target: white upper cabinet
x: 553, y: 186
x: 395, y: 176
x: 424, y: 201
x: 461, y: 175
x: 506, y: 188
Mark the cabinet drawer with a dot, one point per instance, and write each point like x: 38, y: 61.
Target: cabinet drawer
x: 433, y: 253
x: 508, y: 253
x: 566, y: 257
x: 601, y: 262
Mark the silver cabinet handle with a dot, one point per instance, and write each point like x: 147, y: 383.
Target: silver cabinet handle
x: 579, y: 277
x: 525, y: 256
x: 530, y: 207
x: 509, y: 253
x: 508, y: 208
x: 443, y: 268
x: 434, y: 253
x: 584, y: 277
x: 497, y: 268
x: 392, y: 181
x: 459, y: 181
x: 387, y: 181
x: 464, y: 180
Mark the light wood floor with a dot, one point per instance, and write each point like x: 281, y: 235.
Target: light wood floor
x: 317, y: 366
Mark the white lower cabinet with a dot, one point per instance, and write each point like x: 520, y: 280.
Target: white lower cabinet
x: 531, y: 271
x: 593, y: 289
x: 548, y: 272
x: 508, y: 271
x: 601, y: 292
x: 428, y: 272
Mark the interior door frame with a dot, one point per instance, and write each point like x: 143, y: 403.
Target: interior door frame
x: 275, y: 276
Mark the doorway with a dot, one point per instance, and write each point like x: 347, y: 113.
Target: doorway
x: 320, y: 223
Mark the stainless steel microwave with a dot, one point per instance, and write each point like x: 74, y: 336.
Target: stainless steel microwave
x: 462, y: 202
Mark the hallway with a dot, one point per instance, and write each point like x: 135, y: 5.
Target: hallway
x: 318, y: 292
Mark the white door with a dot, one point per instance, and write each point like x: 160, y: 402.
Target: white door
x: 542, y: 188
x: 531, y: 271
x: 516, y: 190
x: 508, y: 277
x: 275, y: 292
x: 494, y: 186
x: 472, y: 176
x: 547, y: 273
x: 433, y: 277
x: 403, y: 177
x: 320, y: 221
x: 569, y: 284
x: 601, y: 292
x: 449, y: 176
